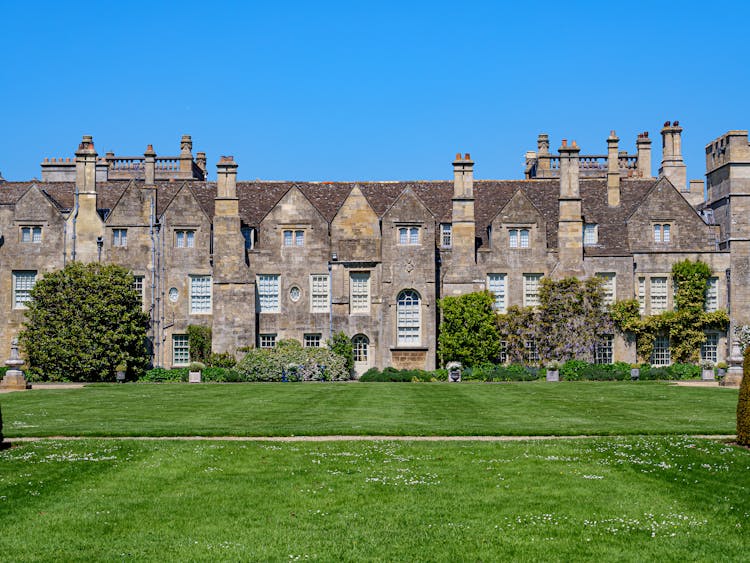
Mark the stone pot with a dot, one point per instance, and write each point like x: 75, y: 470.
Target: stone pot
x: 194, y: 377
x: 635, y: 374
x: 553, y: 375
x: 707, y: 374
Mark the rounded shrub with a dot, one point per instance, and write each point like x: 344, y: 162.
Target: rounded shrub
x: 743, y: 403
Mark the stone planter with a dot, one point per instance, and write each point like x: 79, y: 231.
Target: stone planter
x: 194, y: 377
x: 707, y: 375
x: 553, y: 375
x: 635, y: 374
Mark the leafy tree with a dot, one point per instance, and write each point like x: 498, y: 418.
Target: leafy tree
x: 468, y: 331
x: 341, y: 344
x: 199, y: 343
x: 686, y: 325
x: 743, y: 404
x: 82, y: 321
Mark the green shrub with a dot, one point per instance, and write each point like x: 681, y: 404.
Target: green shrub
x: 500, y: 372
x: 199, y: 342
x: 341, y: 344
x: 573, y: 370
x: 684, y: 371
x: 222, y: 360
x: 743, y: 403
x: 1, y: 428
x: 162, y: 375
x: 221, y: 375
x: 391, y: 374
x: 291, y: 361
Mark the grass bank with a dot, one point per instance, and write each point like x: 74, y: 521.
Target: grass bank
x: 277, y: 409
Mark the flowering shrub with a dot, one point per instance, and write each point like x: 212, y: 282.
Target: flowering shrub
x: 291, y: 361
x: 742, y: 334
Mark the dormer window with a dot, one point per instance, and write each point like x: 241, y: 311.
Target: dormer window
x: 590, y: 234
x: 518, y: 238
x: 31, y: 234
x: 662, y: 233
x: 408, y: 235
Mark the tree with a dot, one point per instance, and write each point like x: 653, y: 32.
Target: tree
x: 468, y: 331
x: 82, y: 321
x: 743, y: 404
x: 199, y: 343
x: 341, y: 344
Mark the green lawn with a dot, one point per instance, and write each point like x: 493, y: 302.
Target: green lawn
x: 278, y: 409
x: 604, y: 499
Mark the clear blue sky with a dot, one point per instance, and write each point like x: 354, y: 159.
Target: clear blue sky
x: 366, y: 91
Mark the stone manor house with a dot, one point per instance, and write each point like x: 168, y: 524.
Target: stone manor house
x: 260, y: 261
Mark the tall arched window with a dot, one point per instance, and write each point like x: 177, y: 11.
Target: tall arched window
x: 361, y: 346
x: 408, y: 318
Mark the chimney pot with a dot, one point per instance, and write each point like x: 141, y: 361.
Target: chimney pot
x: 467, y: 156
x: 149, y: 148
x: 458, y: 156
x: 612, y: 133
x: 667, y: 123
x: 676, y: 123
x: 565, y: 142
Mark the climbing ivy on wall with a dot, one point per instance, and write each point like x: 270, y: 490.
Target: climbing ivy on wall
x: 686, y: 325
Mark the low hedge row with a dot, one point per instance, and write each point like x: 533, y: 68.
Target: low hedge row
x: 391, y: 374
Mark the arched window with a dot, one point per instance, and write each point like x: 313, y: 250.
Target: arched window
x: 361, y: 346
x: 408, y: 318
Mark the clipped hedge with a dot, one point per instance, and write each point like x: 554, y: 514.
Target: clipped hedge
x: 500, y: 372
x: 394, y: 375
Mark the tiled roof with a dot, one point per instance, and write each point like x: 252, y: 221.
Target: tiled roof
x: 257, y: 198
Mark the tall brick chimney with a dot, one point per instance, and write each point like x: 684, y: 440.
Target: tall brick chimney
x: 460, y: 267
x: 613, y: 170
x: 672, y: 166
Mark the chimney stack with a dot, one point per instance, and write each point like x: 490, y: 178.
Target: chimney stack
x: 463, y: 246
x: 86, y: 166
x: 570, y: 225
x: 672, y: 166
x: 613, y: 170
x: 463, y: 176
x: 227, y: 203
x: 150, y: 165
x: 643, y: 144
x: 186, y: 156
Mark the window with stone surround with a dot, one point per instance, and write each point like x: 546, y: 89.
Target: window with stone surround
x: 709, y: 349
x: 180, y: 350
x: 23, y: 283
x: 361, y: 347
x: 312, y: 340
x: 120, y: 237
x: 359, y: 289
x: 446, y: 235
x: 531, y: 353
x: 294, y: 237
x: 200, y: 295
x: 268, y: 293
x: 658, y: 295
x: 609, y: 285
x: 266, y: 341
x: 408, y: 236
x: 138, y: 286
x: 496, y: 283
x: 603, y: 351
x: 712, y: 295
x: 662, y: 233
x: 184, y: 238
x: 661, y: 356
x: 31, y: 234
x: 320, y: 301
x: 531, y: 289
x: 590, y: 234
x: 642, y: 295
x: 518, y: 238
x: 408, y: 318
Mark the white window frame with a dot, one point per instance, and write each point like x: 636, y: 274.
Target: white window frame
x: 23, y: 283
x: 590, y: 234
x: 138, y: 285
x: 662, y: 354
x: 312, y: 340
x: 531, y: 352
x: 408, y: 236
x: 659, y: 294
x: 293, y: 238
x: 662, y: 233
x: 604, y: 351
x: 498, y: 285
x: 361, y: 348
x: 642, y: 295
x: 359, y: 293
x: 446, y: 235
x: 409, y: 318
x: 710, y: 348
x: 531, y: 289
x: 268, y: 286
x: 266, y: 341
x: 320, y: 293
x: 180, y: 350
x: 609, y: 286
x: 31, y: 234
x: 519, y: 238
x: 184, y: 238
x: 120, y: 238
x: 200, y: 295
x: 712, y: 295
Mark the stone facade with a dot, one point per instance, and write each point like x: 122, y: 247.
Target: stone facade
x: 260, y: 261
